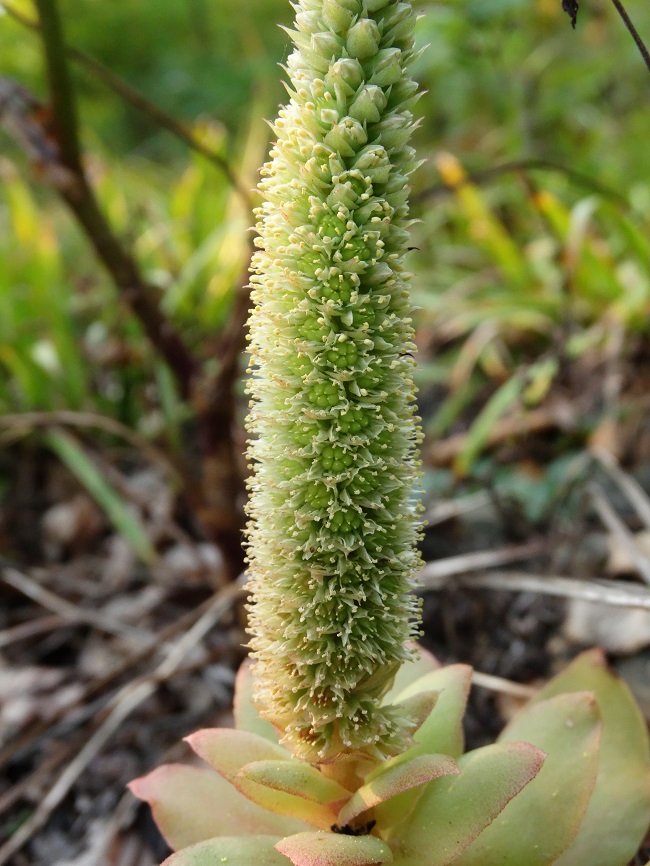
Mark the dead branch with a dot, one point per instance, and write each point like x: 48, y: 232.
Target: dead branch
x: 615, y: 593
x: 128, y: 699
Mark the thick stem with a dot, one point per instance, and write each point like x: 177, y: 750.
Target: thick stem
x: 142, y: 298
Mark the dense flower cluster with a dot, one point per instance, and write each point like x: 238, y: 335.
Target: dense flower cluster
x: 333, y: 516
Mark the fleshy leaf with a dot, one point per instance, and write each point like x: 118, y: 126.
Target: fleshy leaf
x: 440, y: 733
x: 419, y: 707
x: 619, y: 810
x: 541, y: 822
x: 228, y: 751
x: 334, y: 849
x: 246, y: 716
x: 454, y: 810
x: 230, y: 850
x: 395, y: 780
x: 424, y: 663
x: 295, y: 777
x: 191, y: 804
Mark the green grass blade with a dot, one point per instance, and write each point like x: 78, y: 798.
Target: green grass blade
x: 115, y: 507
x: 480, y: 430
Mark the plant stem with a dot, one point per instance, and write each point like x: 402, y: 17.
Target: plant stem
x: 134, y: 290
x: 141, y: 103
x: 526, y: 165
x: 216, y: 495
x: 61, y: 90
x: 634, y: 33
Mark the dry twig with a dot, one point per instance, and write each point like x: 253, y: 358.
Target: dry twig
x: 615, y: 593
x: 636, y: 495
x: 444, y: 452
x: 71, y: 612
x: 31, y: 737
x: 123, y: 704
x: 616, y: 526
x: 67, y: 418
x: 32, y: 628
x: 433, y: 573
x: 503, y: 686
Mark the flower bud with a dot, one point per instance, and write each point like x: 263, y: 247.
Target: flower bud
x: 339, y: 14
x: 369, y: 104
x: 347, y: 73
x: 346, y: 137
x: 386, y: 67
x: 363, y: 39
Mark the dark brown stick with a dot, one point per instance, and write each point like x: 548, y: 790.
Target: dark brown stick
x: 140, y: 102
x: 142, y: 298
x: 53, y: 144
x: 634, y: 33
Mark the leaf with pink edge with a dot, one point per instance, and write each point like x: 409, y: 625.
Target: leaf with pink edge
x: 395, y: 780
x: 440, y: 733
x: 454, y: 810
x: 409, y: 672
x: 567, y: 728
x: 191, y: 804
x: 247, y: 717
x: 230, y: 850
x: 419, y: 707
x: 334, y: 849
x: 228, y: 751
x: 295, y: 777
x: 621, y: 797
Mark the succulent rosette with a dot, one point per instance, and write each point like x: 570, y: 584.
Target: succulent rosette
x: 348, y: 745
x: 567, y: 783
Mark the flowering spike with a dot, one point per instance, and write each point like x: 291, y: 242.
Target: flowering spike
x: 333, y: 515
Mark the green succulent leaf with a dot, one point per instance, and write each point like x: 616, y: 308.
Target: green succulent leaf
x: 418, y: 708
x: 395, y: 780
x: 454, y: 810
x: 423, y: 663
x: 228, y: 751
x: 191, y: 804
x: 567, y: 728
x: 440, y: 733
x: 230, y: 850
x: 621, y: 797
x: 294, y: 777
x: 334, y: 849
x: 247, y: 717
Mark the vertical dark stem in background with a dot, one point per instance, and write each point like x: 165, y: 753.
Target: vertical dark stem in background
x: 216, y: 497
x: 634, y: 33
x: 61, y: 91
x: 142, y: 298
